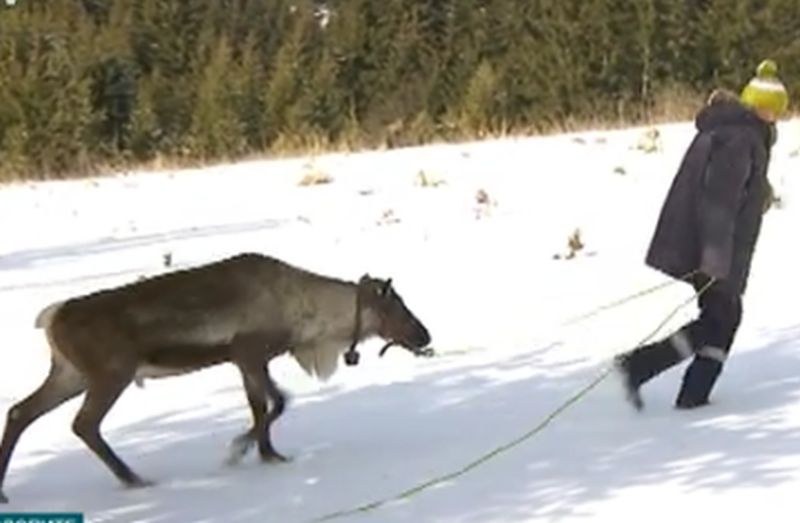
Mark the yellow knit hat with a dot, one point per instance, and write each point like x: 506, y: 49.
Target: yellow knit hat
x: 765, y: 90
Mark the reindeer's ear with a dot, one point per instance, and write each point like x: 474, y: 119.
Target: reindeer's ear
x: 387, y: 286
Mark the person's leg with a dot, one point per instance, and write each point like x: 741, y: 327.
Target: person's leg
x: 642, y: 364
x: 721, y: 313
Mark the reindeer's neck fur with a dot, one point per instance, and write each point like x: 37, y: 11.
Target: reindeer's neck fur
x: 325, y: 313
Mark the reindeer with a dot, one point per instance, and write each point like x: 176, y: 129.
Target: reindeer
x: 244, y: 310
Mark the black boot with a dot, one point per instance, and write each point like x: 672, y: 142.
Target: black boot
x: 631, y: 388
x: 698, y: 381
x: 641, y: 365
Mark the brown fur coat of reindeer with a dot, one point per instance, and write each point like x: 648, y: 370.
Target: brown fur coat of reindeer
x: 245, y: 310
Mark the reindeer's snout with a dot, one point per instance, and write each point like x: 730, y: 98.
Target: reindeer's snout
x: 416, y: 336
x: 422, y: 338
x: 413, y: 335
x: 398, y: 325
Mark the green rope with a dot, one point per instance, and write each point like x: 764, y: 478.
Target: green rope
x: 626, y: 299
x: 513, y: 443
x: 594, y: 312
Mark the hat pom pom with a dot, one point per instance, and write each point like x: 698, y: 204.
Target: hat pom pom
x: 767, y: 69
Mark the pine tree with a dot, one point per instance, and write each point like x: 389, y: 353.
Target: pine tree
x: 479, y: 105
x: 216, y: 131
x: 88, y: 81
x: 145, y: 134
x: 284, y: 79
x: 57, y: 113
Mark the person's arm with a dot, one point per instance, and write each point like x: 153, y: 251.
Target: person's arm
x: 724, y: 183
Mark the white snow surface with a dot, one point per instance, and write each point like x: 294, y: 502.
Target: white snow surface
x: 483, y: 278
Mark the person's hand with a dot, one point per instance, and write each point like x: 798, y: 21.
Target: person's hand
x: 769, y: 199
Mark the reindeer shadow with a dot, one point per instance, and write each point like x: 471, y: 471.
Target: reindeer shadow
x: 34, y: 257
x: 48, y: 256
x: 350, y: 447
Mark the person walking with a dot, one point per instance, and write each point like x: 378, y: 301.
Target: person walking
x: 707, y: 232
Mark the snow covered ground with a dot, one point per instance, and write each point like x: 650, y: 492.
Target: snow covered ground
x: 480, y: 270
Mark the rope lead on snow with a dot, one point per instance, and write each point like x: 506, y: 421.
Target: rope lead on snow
x: 539, y: 427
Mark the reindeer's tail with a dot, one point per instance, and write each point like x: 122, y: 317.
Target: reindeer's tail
x: 62, y: 368
x: 44, y: 320
x: 45, y: 316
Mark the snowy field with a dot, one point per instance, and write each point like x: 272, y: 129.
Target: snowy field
x: 473, y: 251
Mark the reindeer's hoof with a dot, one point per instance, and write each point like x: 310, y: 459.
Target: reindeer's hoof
x: 274, y: 457
x: 239, y: 448
x: 3, y: 498
x: 137, y: 483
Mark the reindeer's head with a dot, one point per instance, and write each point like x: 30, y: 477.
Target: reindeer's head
x: 396, y: 324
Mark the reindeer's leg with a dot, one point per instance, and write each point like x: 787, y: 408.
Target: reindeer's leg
x: 100, y: 397
x: 63, y: 383
x: 255, y: 385
x: 254, y: 388
x: 278, y: 400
